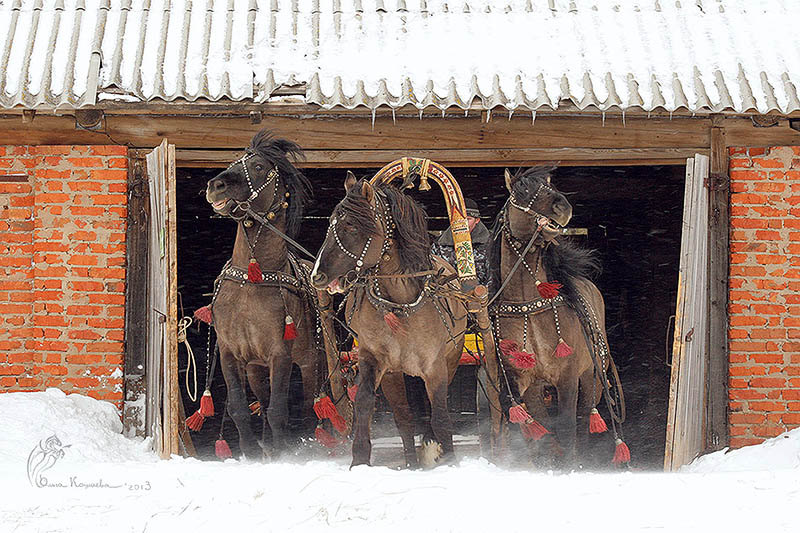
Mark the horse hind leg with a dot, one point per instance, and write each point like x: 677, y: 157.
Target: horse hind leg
x: 278, y: 410
x: 394, y: 389
x: 238, y: 409
x: 258, y: 379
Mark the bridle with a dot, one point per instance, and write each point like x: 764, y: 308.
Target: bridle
x: 243, y: 208
x: 385, y: 216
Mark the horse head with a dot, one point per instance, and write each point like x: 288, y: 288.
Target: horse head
x: 263, y: 180
x: 535, y: 201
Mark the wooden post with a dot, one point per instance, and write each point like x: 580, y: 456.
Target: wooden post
x: 718, y: 263
x: 171, y: 418
x: 133, y: 412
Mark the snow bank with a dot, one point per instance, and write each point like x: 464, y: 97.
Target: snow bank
x: 778, y: 453
x: 90, y: 427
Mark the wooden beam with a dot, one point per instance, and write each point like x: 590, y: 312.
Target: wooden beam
x: 742, y: 132
x: 359, y: 133
x: 133, y: 417
x: 456, y: 157
x: 718, y: 266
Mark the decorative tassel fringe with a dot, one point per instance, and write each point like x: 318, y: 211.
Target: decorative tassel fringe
x: 289, y: 330
x: 517, y: 414
x: 325, y: 438
x: 204, y: 314
x: 339, y: 424
x: 531, y: 429
x: 520, y: 359
x: 394, y: 323
x: 222, y: 450
x: 206, y: 404
x: 254, y: 274
x: 195, y: 422
x: 351, y: 392
x: 563, y: 349
x: 596, y: 422
x: 324, y: 408
x: 621, y: 453
x: 547, y: 289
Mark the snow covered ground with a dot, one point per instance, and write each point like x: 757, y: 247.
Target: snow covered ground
x: 105, y: 482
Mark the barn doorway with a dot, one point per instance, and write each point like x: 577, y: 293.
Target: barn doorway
x: 632, y: 217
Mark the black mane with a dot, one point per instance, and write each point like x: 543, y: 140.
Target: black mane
x: 282, y: 152
x: 411, y: 227
x: 566, y: 262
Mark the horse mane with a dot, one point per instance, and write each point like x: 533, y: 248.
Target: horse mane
x: 282, y: 152
x: 411, y: 226
x: 567, y: 262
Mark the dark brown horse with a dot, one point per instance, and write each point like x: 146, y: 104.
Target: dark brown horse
x: 378, y: 247
x: 260, y: 301
x: 549, y: 318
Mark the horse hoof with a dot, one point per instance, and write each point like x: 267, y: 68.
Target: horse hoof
x: 359, y: 463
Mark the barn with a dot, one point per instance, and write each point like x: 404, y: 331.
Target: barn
x: 675, y: 126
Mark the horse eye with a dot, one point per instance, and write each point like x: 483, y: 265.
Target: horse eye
x: 259, y: 167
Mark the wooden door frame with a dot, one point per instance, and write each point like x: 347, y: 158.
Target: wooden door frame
x: 717, y: 406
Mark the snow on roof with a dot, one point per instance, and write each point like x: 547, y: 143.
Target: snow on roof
x: 696, y: 56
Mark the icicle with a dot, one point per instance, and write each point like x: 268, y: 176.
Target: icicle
x: 623, y: 118
x: 488, y: 115
x: 466, y: 113
x: 442, y: 113
x: 533, y: 117
x: 394, y: 116
x: 510, y: 112
x: 670, y: 115
x: 420, y: 114
x: 373, y: 119
x: 648, y: 114
x: 604, y: 118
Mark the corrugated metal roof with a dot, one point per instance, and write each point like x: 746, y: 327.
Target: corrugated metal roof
x: 694, y: 55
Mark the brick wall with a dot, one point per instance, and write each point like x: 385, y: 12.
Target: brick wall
x: 62, y: 269
x: 764, y: 293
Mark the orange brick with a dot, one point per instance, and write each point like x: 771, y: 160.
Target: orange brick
x: 108, y: 150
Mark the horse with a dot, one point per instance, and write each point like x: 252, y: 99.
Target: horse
x: 377, y: 249
x: 263, y: 307
x: 549, y: 318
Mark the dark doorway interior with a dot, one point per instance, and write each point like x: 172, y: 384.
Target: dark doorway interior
x: 633, y: 218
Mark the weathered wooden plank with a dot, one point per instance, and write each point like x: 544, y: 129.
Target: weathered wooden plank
x: 742, y: 132
x: 359, y: 133
x: 171, y: 385
x: 133, y: 417
x: 461, y: 157
x: 718, y: 249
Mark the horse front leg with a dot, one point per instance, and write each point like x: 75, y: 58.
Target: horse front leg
x: 238, y: 409
x: 436, y: 386
x: 362, y: 412
x: 258, y: 379
x: 566, y: 421
x: 278, y: 410
x: 394, y: 389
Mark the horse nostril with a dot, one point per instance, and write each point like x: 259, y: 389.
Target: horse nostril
x: 218, y: 185
x: 319, y: 279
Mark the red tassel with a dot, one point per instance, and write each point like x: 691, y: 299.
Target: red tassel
x: 394, y: 323
x: 548, y: 290
x: 222, y: 450
x: 517, y: 414
x: 596, y: 422
x: 531, y: 429
x: 325, y: 438
x: 204, y: 314
x: 206, y: 404
x: 195, y: 422
x: 621, y: 453
x: 339, y: 424
x: 507, y: 346
x: 254, y: 274
x: 563, y: 349
x: 289, y: 330
x: 324, y: 408
x: 523, y: 360
x: 351, y: 392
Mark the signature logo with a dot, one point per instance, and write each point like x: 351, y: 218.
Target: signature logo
x: 42, y: 458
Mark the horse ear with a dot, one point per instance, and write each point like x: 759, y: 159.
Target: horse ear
x: 508, y: 178
x: 547, y: 177
x: 368, y: 191
x: 349, y: 181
